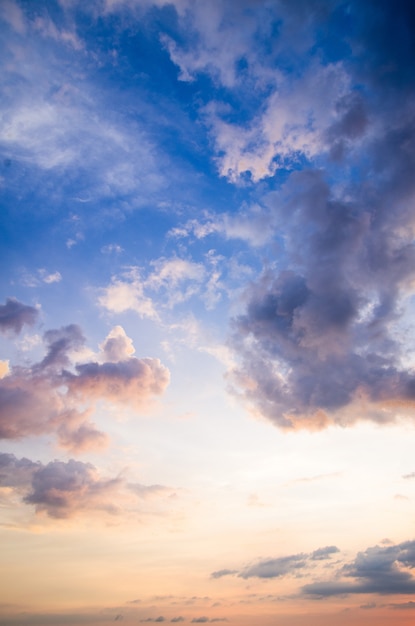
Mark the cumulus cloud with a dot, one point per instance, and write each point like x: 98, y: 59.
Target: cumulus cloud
x: 14, y: 315
x: 380, y: 570
x: 47, y: 397
x: 318, y: 338
x: 64, y: 489
x: 132, y: 381
x: 320, y: 341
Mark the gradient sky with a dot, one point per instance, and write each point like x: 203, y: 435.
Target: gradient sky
x: 207, y: 380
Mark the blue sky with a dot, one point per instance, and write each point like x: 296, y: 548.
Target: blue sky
x: 207, y: 363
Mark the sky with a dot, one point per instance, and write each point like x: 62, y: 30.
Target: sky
x: 207, y: 356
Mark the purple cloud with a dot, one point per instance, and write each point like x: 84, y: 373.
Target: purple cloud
x: 47, y: 397
x: 14, y: 315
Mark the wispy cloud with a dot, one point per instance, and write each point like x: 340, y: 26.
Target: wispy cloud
x: 280, y: 566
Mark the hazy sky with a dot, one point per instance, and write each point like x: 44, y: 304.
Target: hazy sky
x: 207, y: 380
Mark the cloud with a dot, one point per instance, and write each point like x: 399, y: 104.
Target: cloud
x: 117, y: 346
x: 55, y: 126
x: 380, y: 570
x: 322, y: 340
x: 15, y: 472
x: 275, y: 568
x: 60, y: 489
x: 164, y: 285
x: 13, y: 15
x: 4, y: 368
x: 145, y: 492
x: 253, y: 224
x: 322, y: 554
x: 64, y: 489
x: 223, y: 572
x: 14, y: 315
x: 131, y: 381
x: 55, y: 277
x: 57, y: 395
x: 279, y: 567
x: 317, y: 339
x: 177, y: 619
x: 403, y: 606
x: 127, y: 294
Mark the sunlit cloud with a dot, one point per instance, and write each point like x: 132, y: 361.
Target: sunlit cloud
x: 57, y: 395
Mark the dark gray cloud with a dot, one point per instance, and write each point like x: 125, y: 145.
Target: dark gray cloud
x: 380, y: 570
x: 179, y: 618
x: 14, y: 315
x: 49, y: 397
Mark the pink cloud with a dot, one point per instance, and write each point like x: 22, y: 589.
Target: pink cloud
x: 46, y: 397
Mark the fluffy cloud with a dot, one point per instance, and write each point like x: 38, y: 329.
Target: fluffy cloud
x: 318, y: 338
x: 380, y: 570
x: 127, y: 294
x: 45, y: 398
x: 65, y: 489
x: 14, y: 315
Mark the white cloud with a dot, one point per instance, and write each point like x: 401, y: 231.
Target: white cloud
x: 55, y: 277
x: 293, y: 121
x: 127, y: 294
x: 117, y: 346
